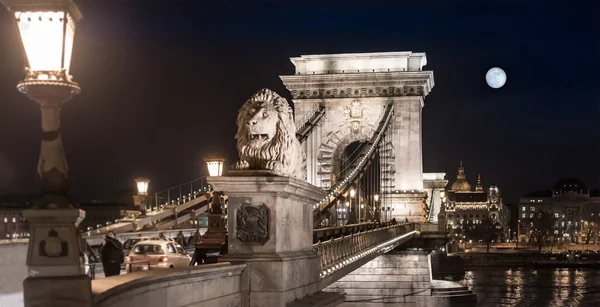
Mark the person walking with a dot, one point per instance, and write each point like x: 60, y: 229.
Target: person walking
x: 112, y: 254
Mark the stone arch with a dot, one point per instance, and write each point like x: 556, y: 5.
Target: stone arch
x: 335, y: 142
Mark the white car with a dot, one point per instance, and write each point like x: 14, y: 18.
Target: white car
x: 156, y: 254
x: 131, y: 242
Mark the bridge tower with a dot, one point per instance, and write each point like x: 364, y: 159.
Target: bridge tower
x: 354, y: 89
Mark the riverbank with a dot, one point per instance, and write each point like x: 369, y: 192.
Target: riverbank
x: 472, y: 260
x: 515, y: 259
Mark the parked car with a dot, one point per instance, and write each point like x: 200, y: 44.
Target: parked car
x: 157, y: 254
x: 129, y: 243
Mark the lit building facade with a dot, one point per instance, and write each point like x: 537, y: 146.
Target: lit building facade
x: 573, y: 208
x: 12, y: 223
x: 466, y: 207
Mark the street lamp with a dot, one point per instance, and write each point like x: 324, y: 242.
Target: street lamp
x: 215, y: 166
x: 140, y: 200
x: 142, y: 185
x: 47, y: 29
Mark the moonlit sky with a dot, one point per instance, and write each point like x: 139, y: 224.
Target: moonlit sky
x: 163, y: 80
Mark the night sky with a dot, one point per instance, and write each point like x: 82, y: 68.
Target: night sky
x: 162, y: 82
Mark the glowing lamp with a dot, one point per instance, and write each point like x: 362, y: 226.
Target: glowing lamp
x: 215, y: 166
x: 352, y: 193
x: 47, y: 29
x: 376, y: 197
x: 142, y: 186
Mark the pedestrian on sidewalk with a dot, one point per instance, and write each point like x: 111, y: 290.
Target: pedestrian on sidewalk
x: 112, y: 255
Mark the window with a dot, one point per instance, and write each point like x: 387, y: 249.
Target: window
x: 569, y: 223
x: 170, y: 248
x: 562, y: 224
x: 556, y: 231
x: 531, y: 224
x: 148, y: 249
x: 523, y: 215
x: 523, y: 209
x: 14, y: 220
x: 179, y: 249
x: 532, y: 209
x: 531, y: 215
x: 576, y: 223
x: 556, y: 215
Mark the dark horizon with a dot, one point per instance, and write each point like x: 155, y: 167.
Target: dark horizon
x: 162, y: 83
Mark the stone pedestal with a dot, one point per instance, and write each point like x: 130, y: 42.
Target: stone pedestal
x: 270, y: 226
x: 55, y: 259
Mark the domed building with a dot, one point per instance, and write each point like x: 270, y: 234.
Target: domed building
x: 461, y: 184
x: 465, y: 206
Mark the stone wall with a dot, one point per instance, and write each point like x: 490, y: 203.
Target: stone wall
x: 208, y: 285
x: 13, y: 268
x: 395, y: 279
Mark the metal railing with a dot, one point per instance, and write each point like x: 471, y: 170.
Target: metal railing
x: 337, y: 253
x: 309, y: 123
x: 130, y: 264
x: 92, y: 269
x: 182, y: 193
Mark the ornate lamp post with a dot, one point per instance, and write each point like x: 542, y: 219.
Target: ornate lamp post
x: 55, y: 254
x: 215, y: 237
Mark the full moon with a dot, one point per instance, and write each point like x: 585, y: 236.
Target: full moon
x: 495, y: 77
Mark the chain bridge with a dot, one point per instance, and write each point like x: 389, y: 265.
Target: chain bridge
x: 358, y: 230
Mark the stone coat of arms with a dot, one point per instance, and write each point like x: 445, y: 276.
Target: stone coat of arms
x: 252, y: 224
x: 355, y: 111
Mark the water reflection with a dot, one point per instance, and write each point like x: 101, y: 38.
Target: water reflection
x: 534, y: 287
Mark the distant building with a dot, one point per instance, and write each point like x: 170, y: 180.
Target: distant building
x: 12, y: 223
x: 573, y: 207
x: 466, y: 207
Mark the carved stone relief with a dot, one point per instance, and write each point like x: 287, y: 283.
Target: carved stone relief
x: 252, y: 224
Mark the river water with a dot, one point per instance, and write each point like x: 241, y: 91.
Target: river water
x: 534, y: 287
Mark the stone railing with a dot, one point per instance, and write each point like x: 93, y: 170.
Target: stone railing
x: 207, y: 285
x: 340, y: 252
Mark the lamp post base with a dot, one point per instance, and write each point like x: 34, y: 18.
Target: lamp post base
x: 58, y: 291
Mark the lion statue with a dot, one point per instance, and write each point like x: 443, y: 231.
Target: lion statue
x: 266, y: 136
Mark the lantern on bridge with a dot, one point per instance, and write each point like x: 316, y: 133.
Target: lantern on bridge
x: 47, y: 29
x: 215, y: 166
x: 142, y: 185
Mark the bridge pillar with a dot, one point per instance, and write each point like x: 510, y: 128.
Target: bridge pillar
x: 55, y: 260
x: 270, y: 224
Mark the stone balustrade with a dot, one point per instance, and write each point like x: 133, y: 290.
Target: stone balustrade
x: 208, y: 285
x: 339, y: 252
